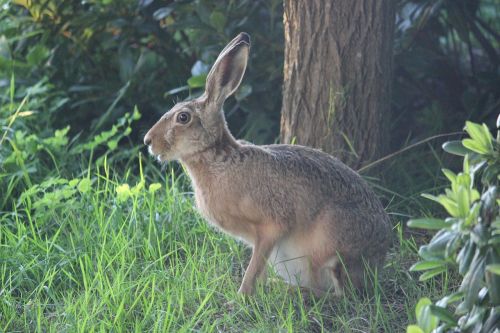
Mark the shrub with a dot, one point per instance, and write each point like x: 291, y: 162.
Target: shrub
x: 107, y: 56
x: 31, y: 151
x: 467, y: 241
x: 104, y: 56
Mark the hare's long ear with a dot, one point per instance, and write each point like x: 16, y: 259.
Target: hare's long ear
x: 227, y: 72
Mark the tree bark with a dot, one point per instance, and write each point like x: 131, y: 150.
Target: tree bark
x: 337, y: 76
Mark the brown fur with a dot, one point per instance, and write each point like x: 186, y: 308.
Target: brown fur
x: 300, y: 209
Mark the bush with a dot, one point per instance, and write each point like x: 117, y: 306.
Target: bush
x: 445, y: 65
x: 467, y: 241
x: 31, y: 151
x: 105, y: 57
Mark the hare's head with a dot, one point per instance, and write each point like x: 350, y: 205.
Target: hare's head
x: 194, y: 126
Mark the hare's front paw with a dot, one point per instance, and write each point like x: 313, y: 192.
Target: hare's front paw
x: 245, y: 290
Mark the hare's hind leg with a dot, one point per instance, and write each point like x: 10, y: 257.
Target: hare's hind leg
x: 328, y: 277
x: 338, y: 274
x: 345, y: 273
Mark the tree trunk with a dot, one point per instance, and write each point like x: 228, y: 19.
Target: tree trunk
x: 337, y: 76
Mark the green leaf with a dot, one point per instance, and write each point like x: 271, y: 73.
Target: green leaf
x: 488, y: 200
x: 203, y: 11
x: 37, y: 54
x: 481, y: 134
x: 197, y: 81
x: 492, y: 276
x: 495, y: 239
x: 73, y: 182
x: 427, y: 264
x: 421, y: 304
x: 123, y: 192
x: 479, y: 234
x: 472, y: 281
x: 218, y: 21
x: 494, y: 268
x: 463, y: 179
x: 85, y: 185
x: 450, y: 205
x: 452, y: 246
x: 137, y: 188
x: 59, y: 139
x: 430, y: 274
x: 162, y: 13
x: 449, y: 299
x: 490, y: 173
x: 136, y: 115
x: 414, y: 329
x: 456, y: 148
x: 474, y: 195
x: 435, y: 250
x: 430, y: 197
x: 154, y: 187
x: 475, y: 146
x: 427, y: 223
x: 466, y: 165
x: 488, y: 136
x: 112, y: 144
x: 474, y: 211
x: 425, y: 319
x: 473, y: 129
x: 452, y: 177
x: 443, y: 314
x: 463, y: 203
x: 491, y: 321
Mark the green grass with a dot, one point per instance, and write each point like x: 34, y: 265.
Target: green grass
x: 85, y: 258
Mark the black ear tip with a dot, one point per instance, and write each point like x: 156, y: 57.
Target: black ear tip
x: 244, y: 37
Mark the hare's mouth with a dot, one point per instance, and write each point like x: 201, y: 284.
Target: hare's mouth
x: 156, y: 155
x: 160, y: 157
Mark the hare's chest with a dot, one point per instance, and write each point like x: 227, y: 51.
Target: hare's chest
x: 204, y: 207
x: 222, y: 209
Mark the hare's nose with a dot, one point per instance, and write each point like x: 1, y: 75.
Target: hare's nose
x: 147, y: 140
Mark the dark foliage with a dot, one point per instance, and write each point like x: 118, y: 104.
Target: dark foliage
x: 90, y: 62
x: 446, y: 66
x: 107, y: 56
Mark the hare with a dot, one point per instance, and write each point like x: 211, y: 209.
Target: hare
x: 312, y: 218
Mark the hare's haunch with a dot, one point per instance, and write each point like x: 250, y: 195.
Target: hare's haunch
x: 311, y: 217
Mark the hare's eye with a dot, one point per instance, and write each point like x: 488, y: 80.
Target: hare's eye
x: 183, y: 118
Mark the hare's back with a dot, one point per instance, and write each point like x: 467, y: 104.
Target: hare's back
x: 326, y: 174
